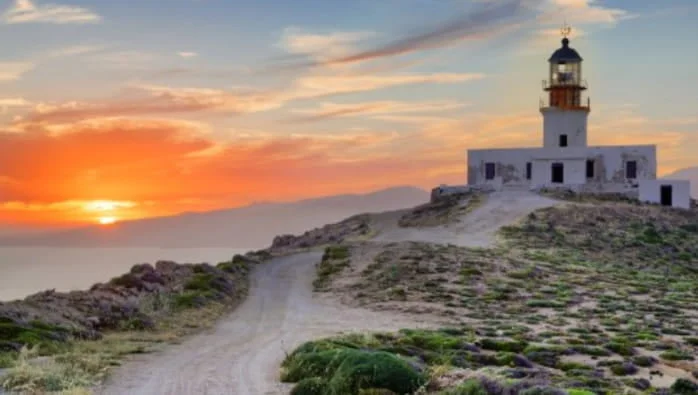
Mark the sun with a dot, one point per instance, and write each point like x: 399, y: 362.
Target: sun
x: 107, y: 220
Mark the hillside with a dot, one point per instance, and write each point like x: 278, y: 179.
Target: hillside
x: 589, y: 297
x: 247, y: 227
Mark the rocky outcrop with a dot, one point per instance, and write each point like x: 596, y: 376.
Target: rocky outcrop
x: 443, y: 209
x: 352, y: 228
x: 134, y: 300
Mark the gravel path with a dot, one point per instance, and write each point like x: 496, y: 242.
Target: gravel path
x: 476, y: 229
x: 242, y: 354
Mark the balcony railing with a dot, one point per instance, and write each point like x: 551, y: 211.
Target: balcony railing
x: 542, y: 104
x: 548, y: 84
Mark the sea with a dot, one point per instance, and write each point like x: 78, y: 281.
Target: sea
x: 27, y: 270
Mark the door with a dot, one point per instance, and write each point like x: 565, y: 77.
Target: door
x: 666, y: 193
x: 558, y: 173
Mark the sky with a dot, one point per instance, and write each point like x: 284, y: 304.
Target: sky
x: 117, y: 110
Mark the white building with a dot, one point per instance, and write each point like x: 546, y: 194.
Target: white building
x: 565, y: 159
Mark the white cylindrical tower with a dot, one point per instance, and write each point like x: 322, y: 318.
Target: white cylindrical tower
x: 565, y: 115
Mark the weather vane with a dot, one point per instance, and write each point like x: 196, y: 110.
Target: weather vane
x: 566, y: 30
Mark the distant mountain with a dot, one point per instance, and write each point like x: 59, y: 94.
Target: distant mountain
x: 252, y: 226
x: 689, y: 173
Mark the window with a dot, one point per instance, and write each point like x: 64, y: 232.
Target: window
x: 563, y: 140
x: 489, y: 171
x: 558, y: 173
x: 528, y: 170
x: 590, y: 168
x: 631, y: 170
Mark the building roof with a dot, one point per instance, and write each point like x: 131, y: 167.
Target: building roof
x: 565, y: 53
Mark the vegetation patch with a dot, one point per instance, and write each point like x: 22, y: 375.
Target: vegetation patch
x: 334, y: 260
x: 442, y: 211
x: 53, y: 342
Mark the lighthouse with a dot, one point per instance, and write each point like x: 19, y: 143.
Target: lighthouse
x: 565, y: 159
x: 565, y: 113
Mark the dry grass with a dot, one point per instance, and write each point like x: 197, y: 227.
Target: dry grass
x: 445, y: 211
x: 77, y: 367
x: 607, y: 282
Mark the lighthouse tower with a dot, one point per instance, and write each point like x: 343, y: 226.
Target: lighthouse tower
x: 565, y: 115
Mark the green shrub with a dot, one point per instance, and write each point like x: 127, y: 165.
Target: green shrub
x: 469, y: 387
x: 543, y: 303
x: 503, y: 345
x: 684, y: 387
x: 310, y: 386
x: 189, y: 300
x: 620, y: 348
x: 644, y: 360
x: 314, y: 364
x: 336, y: 252
x: 7, y: 359
x: 200, y: 282
x: 380, y: 370
x: 579, y: 392
x: 676, y: 355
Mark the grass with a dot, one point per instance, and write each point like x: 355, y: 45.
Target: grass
x: 334, y: 260
x: 603, y: 282
x: 70, y: 365
x: 444, y: 211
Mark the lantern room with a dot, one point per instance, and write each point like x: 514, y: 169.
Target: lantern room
x: 565, y: 66
x: 565, y: 84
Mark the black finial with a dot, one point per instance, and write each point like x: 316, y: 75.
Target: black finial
x: 565, y: 42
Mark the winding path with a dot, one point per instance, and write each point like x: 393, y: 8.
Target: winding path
x: 242, y: 354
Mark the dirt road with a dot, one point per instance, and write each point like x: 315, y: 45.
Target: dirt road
x: 476, y: 229
x: 242, y: 354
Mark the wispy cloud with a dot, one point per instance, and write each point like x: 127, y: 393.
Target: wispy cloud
x: 186, y: 54
x: 334, y: 110
x: 487, y: 19
x: 27, y: 11
x: 75, y: 50
x: 581, y: 12
x: 321, y: 85
x: 10, y: 71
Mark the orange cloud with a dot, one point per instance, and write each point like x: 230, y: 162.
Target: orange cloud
x: 157, y: 167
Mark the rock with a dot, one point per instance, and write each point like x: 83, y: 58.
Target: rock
x: 522, y: 362
x: 642, y: 384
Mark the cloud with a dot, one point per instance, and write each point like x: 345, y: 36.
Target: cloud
x: 152, y: 99
x: 11, y: 71
x: 75, y: 50
x: 181, y: 167
x: 581, y: 12
x: 328, y: 84
x: 26, y: 11
x: 486, y: 20
x: 187, y: 54
x: 14, y: 102
x: 322, y: 47
x: 124, y: 59
x: 375, y: 109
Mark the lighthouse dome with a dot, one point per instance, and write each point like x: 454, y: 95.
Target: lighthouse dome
x: 565, y: 54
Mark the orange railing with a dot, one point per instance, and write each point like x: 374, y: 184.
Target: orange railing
x: 548, y: 84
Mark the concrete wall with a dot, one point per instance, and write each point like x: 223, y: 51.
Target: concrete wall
x: 574, y: 171
x: 510, y: 166
x: 573, y: 123
x: 609, y: 166
x: 610, y: 163
x: 650, y: 192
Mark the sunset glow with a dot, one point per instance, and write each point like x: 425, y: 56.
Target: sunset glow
x: 120, y: 110
x: 107, y: 220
